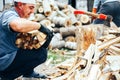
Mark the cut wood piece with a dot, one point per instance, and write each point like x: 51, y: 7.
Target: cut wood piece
x: 108, y: 43
x: 117, y: 45
x: 114, y: 62
x: 30, y: 40
x: 117, y: 75
x: 38, y: 4
x: 104, y: 76
x: 46, y: 7
x: 73, y: 18
x: 61, y: 5
x: 40, y: 9
x: 68, y: 31
x: 68, y: 73
x: 46, y: 22
x: 53, y: 5
x: 70, y: 39
x: 61, y: 21
x: 77, y: 24
x: 97, y: 54
x: 58, y: 44
x: 57, y: 41
x: 39, y: 17
x: 107, y: 37
x: 71, y: 45
x: 88, y: 35
x: 52, y: 15
x: 62, y: 14
x: 95, y: 72
x: 85, y: 19
x: 115, y: 49
x: 72, y: 76
x: 88, y: 56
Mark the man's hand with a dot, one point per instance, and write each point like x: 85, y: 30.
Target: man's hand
x: 44, y: 30
x: 49, y: 35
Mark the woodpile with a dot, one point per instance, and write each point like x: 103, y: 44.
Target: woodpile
x: 97, y: 46
x: 100, y: 61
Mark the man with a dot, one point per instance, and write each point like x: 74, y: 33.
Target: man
x: 96, y: 5
x: 72, y: 3
x: 112, y: 8
x: 14, y: 61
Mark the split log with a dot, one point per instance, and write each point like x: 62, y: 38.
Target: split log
x: 88, y: 56
x: 89, y: 59
x: 104, y: 76
x: 117, y: 50
x: 89, y: 36
x: 114, y: 62
x: 94, y: 72
x: 108, y: 43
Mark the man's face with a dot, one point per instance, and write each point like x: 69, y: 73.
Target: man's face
x: 27, y: 9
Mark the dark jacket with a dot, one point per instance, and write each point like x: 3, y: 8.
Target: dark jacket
x: 112, y: 8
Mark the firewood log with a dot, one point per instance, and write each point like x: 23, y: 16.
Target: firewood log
x: 40, y: 9
x: 62, y: 14
x: 70, y: 39
x: 89, y: 36
x: 71, y: 45
x: 39, y: 17
x: 61, y: 5
x: 52, y: 15
x: 108, y: 43
x: 85, y: 19
x: 53, y: 5
x: 73, y: 18
x: 31, y: 40
x: 105, y: 76
x: 46, y: 7
x: 94, y: 72
x: 117, y: 50
x: 68, y: 31
x: 61, y: 21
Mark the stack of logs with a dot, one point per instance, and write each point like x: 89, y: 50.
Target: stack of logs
x: 59, y: 17
x: 97, y: 46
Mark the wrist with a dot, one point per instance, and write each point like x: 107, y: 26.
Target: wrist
x: 94, y: 10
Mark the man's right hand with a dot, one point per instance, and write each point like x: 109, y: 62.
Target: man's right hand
x: 44, y: 30
x: 48, y: 33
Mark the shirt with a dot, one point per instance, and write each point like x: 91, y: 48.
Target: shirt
x: 8, y: 48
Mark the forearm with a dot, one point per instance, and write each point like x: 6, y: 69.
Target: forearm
x: 23, y: 25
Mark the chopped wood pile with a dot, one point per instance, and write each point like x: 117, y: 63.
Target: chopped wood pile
x: 97, y: 46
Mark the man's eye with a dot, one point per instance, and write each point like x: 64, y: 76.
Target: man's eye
x: 31, y: 7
